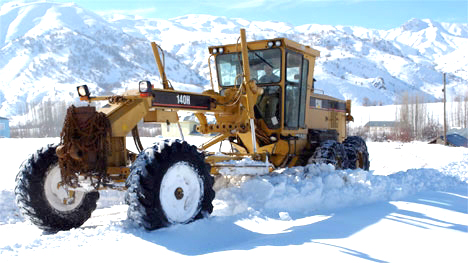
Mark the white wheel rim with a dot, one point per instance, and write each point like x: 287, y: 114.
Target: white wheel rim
x: 181, y: 193
x: 57, y: 196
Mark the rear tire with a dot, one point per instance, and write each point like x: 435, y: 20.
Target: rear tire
x: 43, y: 200
x: 330, y: 152
x: 169, y: 184
x: 358, y: 156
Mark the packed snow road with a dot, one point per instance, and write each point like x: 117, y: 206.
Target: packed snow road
x: 412, y: 206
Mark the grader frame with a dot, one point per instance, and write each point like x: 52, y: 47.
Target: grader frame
x: 234, y: 109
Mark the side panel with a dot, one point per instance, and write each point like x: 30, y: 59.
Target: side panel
x: 161, y: 116
x: 117, y: 156
x: 126, y: 116
x: 327, y: 113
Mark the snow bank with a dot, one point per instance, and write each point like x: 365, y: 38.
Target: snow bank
x: 321, y: 187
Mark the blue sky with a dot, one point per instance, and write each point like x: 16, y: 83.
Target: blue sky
x: 378, y: 14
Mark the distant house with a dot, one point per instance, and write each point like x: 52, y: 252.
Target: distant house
x: 4, y: 128
x: 381, y: 127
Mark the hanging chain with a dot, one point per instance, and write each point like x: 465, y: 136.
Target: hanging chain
x: 85, y: 147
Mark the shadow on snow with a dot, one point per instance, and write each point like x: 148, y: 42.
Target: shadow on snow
x: 220, y: 234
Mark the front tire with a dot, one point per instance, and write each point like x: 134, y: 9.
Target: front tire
x: 169, y: 183
x: 44, y: 200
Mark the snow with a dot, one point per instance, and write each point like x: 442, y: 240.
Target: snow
x: 410, y: 207
x: 245, y: 166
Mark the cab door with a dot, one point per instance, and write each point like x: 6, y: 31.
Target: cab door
x: 297, y: 69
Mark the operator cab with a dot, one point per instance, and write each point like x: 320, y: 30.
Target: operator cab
x: 281, y: 68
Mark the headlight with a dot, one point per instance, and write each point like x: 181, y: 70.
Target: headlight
x: 221, y: 50
x: 270, y: 44
x: 215, y: 50
x: 145, y: 86
x: 278, y: 43
x: 83, y: 91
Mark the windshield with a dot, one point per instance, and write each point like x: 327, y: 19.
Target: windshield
x: 265, y: 67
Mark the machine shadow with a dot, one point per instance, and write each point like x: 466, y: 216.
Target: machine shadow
x: 221, y: 234
x: 217, y: 234
x: 455, y: 200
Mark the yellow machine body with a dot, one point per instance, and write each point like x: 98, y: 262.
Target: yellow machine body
x: 262, y: 119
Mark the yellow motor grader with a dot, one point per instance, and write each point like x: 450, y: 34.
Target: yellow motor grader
x: 265, y: 106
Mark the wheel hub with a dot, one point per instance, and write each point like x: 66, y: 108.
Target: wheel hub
x: 179, y: 193
x: 57, y: 194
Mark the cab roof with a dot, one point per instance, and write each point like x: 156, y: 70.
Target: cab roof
x: 263, y: 44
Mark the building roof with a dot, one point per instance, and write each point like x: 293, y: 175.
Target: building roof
x: 456, y: 140
x: 453, y: 140
x: 461, y: 131
x: 2, y: 118
x: 382, y: 124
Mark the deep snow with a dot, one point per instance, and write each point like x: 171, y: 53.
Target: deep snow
x: 411, y: 207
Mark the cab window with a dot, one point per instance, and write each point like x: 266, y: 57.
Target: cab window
x: 265, y: 67
x: 292, y: 91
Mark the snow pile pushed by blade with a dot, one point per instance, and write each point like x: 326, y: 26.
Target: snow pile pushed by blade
x: 458, y: 169
x: 321, y: 187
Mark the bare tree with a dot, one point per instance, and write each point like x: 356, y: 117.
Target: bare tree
x: 465, y: 110
x: 413, y: 118
x: 365, y: 101
x: 43, y: 120
x: 460, y: 113
x: 404, y: 130
x: 432, y: 129
x: 457, y: 111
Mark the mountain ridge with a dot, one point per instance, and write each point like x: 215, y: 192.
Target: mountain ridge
x: 49, y: 48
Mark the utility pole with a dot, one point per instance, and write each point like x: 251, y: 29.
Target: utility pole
x: 445, y: 113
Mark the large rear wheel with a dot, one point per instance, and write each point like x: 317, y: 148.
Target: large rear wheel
x: 356, y: 149
x: 44, y: 200
x: 169, y: 183
x: 330, y: 152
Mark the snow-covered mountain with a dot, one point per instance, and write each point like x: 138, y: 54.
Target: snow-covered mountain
x: 46, y: 49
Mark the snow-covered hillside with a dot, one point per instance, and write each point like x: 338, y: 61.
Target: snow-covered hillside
x: 49, y: 48
x: 410, y: 207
